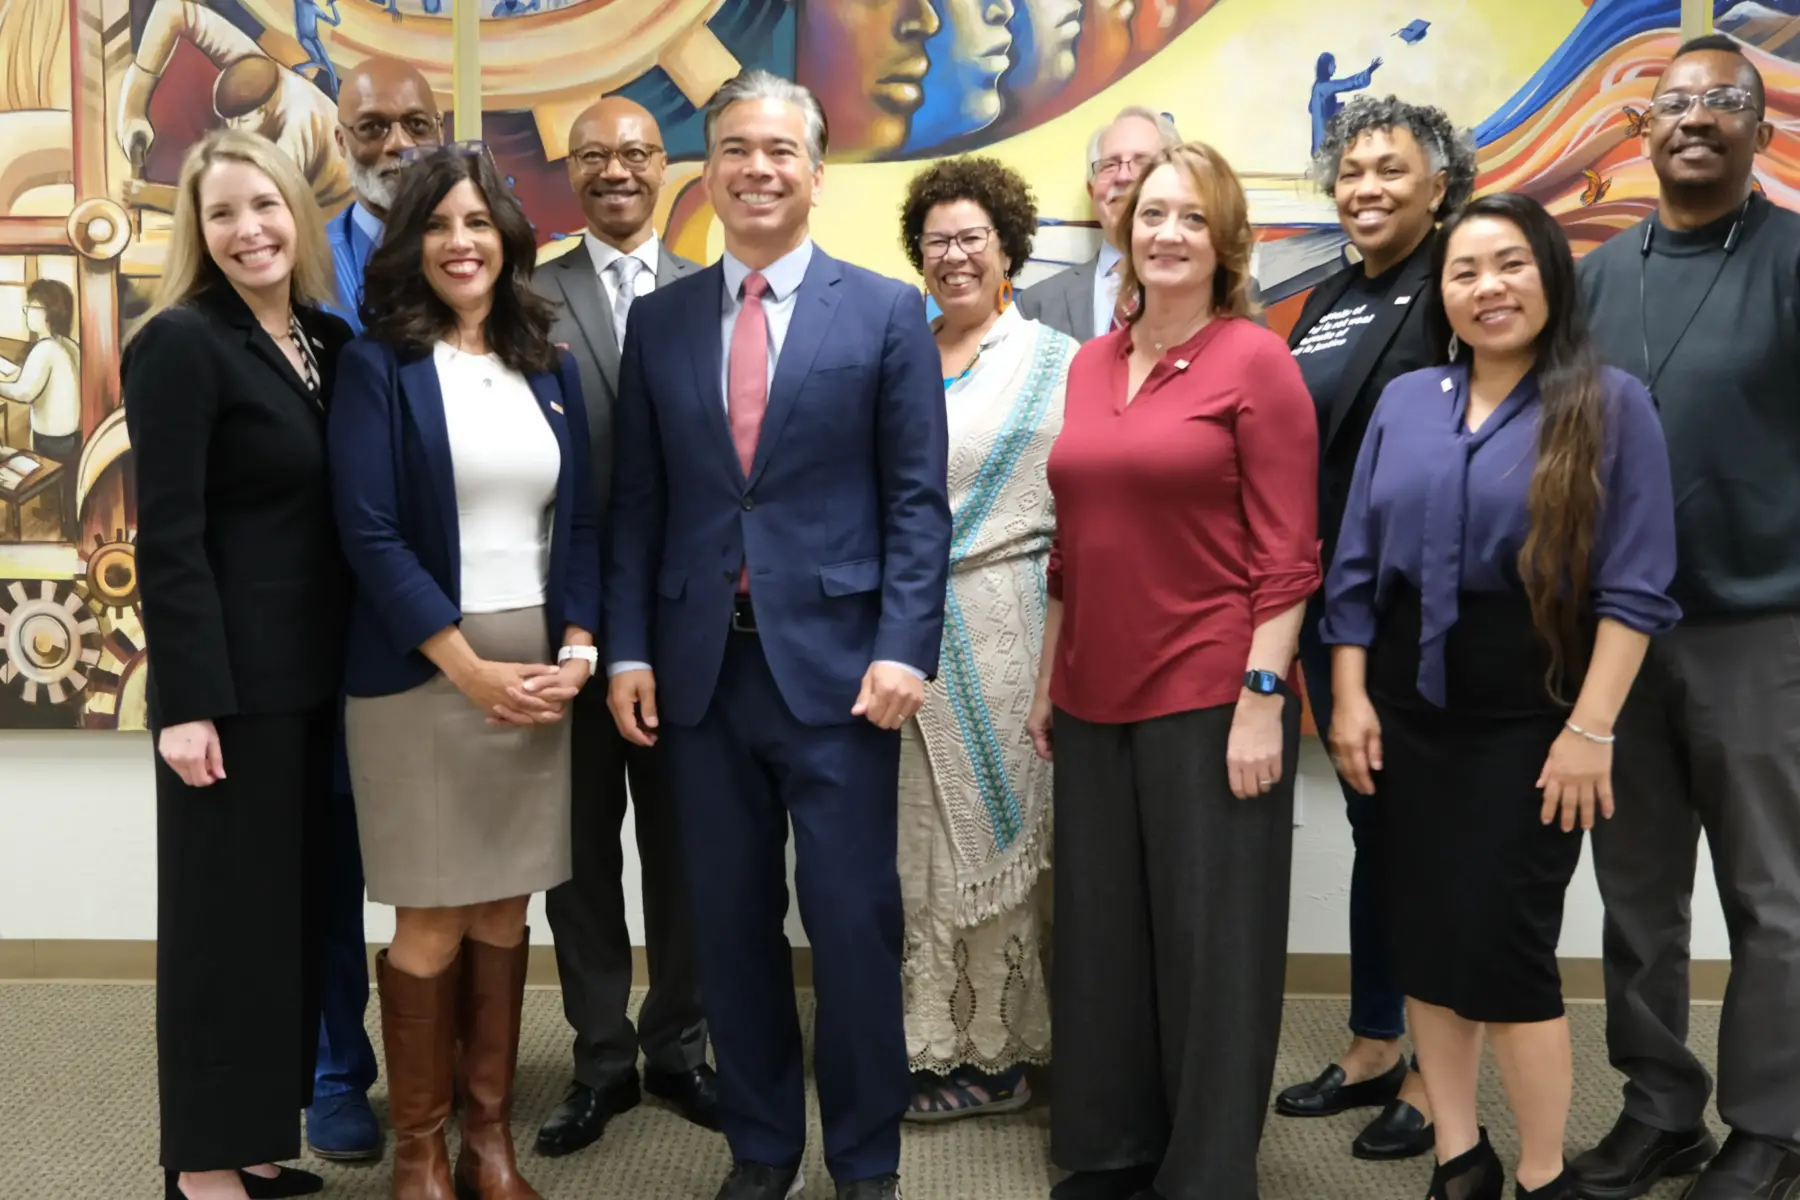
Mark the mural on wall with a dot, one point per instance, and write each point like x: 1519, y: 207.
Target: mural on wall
x: 100, y: 98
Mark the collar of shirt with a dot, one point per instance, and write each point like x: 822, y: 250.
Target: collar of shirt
x: 605, y: 256
x: 367, y: 223
x: 1110, y: 257
x: 784, y: 274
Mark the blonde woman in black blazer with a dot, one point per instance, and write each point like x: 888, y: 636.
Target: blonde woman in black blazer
x: 246, y: 598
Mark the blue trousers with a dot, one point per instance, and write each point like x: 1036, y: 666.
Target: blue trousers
x: 1377, y: 1006
x: 739, y: 777
x: 346, y: 1061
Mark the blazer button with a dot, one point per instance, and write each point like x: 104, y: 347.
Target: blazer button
x: 749, y: 503
x: 730, y: 576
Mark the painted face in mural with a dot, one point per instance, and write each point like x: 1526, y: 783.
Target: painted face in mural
x: 1055, y: 25
x: 983, y: 48
x: 247, y: 226
x: 616, y: 164
x: 1171, y: 243
x: 1125, y: 149
x: 37, y: 321
x: 762, y: 182
x: 964, y: 263
x: 865, y: 61
x: 1387, y: 195
x: 1493, y: 294
x: 385, y: 108
x: 462, y: 251
x: 1705, y: 148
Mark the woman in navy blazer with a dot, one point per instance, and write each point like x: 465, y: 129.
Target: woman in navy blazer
x: 460, y: 471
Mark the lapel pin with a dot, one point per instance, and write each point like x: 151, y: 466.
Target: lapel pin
x: 1448, y: 386
x: 555, y: 407
x: 1181, y: 364
x: 1402, y: 299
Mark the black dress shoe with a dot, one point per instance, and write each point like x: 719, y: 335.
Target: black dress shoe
x: 1749, y: 1168
x: 1401, y: 1131
x: 885, y: 1187
x: 581, y: 1118
x: 1560, y: 1188
x: 754, y: 1181
x: 694, y: 1094
x: 288, y: 1181
x: 1125, y: 1183
x: 1472, y: 1175
x: 1635, y: 1157
x: 1329, y: 1094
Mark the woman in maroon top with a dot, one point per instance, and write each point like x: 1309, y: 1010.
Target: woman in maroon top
x: 1186, y: 490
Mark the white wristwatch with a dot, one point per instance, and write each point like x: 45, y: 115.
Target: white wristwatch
x: 587, y: 654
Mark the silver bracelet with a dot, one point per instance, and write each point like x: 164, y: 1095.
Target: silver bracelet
x: 1592, y: 737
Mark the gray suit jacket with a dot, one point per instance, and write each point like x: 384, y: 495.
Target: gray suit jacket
x: 585, y: 326
x: 1065, y: 301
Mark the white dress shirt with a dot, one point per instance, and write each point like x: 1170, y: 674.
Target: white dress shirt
x: 506, y: 466
x: 1106, y: 288
x: 49, y: 380
x: 604, y: 256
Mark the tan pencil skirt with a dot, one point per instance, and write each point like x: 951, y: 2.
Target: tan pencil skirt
x: 451, y: 810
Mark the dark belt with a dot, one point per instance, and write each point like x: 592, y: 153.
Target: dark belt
x: 743, y: 616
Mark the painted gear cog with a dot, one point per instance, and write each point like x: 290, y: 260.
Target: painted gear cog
x: 108, y: 579
x: 48, y: 642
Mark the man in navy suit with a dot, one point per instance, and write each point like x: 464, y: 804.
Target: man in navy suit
x: 780, y: 545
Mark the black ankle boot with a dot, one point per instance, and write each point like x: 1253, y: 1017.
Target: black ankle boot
x: 1473, y: 1175
x: 1560, y: 1188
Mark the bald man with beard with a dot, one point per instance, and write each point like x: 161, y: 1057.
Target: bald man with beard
x: 616, y: 164
x: 384, y: 108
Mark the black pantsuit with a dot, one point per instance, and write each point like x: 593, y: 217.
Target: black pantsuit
x: 1171, y: 950
x: 237, y: 950
x: 246, y: 597
x: 593, y: 944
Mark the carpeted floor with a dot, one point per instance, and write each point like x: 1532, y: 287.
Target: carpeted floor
x: 78, y: 1117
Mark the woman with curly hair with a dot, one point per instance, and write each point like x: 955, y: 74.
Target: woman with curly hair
x: 974, y: 796
x: 460, y: 463
x: 1395, y: 170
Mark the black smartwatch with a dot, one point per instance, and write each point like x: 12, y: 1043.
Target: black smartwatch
x: 1263, y: 683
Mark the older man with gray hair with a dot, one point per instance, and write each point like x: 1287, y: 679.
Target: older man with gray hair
x: 1080, y: 301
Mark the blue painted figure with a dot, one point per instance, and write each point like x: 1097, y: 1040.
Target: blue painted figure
x: 1326, y: 90
x: 307, y: 15
x: 514, y: 8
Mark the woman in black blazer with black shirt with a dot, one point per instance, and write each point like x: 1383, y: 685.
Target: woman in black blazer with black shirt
x: 246, y: 597
x: 1395, y: 171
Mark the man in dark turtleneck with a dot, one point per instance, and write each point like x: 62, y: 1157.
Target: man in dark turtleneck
x: 1699, y: 301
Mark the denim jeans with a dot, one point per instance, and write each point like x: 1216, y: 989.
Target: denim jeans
x: 1377, y: 1007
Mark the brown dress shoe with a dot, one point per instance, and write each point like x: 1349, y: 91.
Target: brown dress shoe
x: 418, y: 1031
x: 492, y: 995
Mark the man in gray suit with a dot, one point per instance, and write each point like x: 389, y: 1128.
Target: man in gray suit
x: 1080, y: 301
x: 616, y: 162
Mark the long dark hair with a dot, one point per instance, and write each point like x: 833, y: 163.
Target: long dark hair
x: 400, y: 308
x: 1564, y: 497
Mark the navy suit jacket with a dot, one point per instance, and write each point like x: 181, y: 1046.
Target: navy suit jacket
x: 395, y: 495
x: 844, y: 518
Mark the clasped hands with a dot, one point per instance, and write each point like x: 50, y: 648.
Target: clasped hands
x: 523, y: 693
x: 889, y: 695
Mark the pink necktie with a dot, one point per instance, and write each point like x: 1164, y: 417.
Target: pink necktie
x: 747, y: 381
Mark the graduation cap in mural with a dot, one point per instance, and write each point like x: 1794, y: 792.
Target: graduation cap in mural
x: 1413, y: 33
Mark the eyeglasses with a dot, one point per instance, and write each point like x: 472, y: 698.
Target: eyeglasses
x: 973, y: 241
x: 635, y: 158
x: 1113, y: 165
x: 1672, y: 105
x: 372, y: 130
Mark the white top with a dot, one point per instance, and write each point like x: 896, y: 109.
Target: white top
x: 506, y: 466
x: 49, y: 380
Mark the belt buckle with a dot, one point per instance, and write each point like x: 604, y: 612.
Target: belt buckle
x: 743, y: 616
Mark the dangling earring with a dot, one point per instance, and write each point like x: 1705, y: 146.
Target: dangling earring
x: 1006, y: 295
x: 1455, y: 347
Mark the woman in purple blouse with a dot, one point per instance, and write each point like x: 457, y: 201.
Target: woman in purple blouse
x: 1503, y: 561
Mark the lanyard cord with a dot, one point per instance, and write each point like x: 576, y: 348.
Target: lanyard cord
x: 1652, y: 375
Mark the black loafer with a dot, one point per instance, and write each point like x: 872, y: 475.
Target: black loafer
x: 1749, y: 1168
x: 581, y: 1118
x: 1634, y: 1157
x: 694, y: 1094
x: 288, y: 1181
x: 1401, y: 1131
x: 1329, y: 1094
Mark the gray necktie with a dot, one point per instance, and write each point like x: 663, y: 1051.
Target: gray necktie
x: 624, y: 272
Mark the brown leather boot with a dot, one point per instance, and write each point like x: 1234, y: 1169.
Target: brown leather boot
x: 493, y: 993
x: 418, y: 1031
